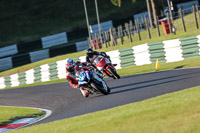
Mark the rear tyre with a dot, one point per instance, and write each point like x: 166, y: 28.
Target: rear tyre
x: 101, y: 88
x: 114, y: 73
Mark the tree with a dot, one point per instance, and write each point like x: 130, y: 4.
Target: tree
x: 156, y: 9
x: 116, y: 2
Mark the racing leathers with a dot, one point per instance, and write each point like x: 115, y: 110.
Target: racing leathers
x: 87, y: 75
x: 90, y: 58
x: 72, y: 78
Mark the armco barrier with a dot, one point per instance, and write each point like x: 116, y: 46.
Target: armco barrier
x: 82, y: 33
x: 126, y: 57
x: 166, y: 51
x: 39, y: 55
x: 37, y: 74
x: 156, y: 51
x: 22, y: 78
x: 141, y: 54
x: 198, y: 41
x: 53, y: 71
x: 9, y: 50
x: 80, y: 46
x: 45, y: 75
x: 19, y: 60
x: 173, y: 51
x: 62, y: 50
x: 7, y: 81
x: 115, y: 57
x: 190, y: 47
x: 6, y: 63
x: 29, y: 46
x: 54, y: 40
x: 26, y: 58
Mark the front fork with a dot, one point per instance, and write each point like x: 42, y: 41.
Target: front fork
x: 106, y: 70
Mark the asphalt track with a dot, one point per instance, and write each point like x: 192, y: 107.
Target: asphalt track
x: 65, y: 102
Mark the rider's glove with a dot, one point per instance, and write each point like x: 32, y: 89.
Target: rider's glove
x: 103, y: 54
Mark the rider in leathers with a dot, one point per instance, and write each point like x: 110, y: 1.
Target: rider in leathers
x: 73, y: 73
x: 92, y: 55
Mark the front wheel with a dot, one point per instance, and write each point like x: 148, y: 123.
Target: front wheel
x: 114, y: 73
x: 101, y: 88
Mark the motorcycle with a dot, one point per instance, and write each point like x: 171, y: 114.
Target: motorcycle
x: 105, y: 67
x: 93, y: 83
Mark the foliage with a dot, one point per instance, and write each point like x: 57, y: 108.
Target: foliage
x: 24, y: 21
x: 116, y: 2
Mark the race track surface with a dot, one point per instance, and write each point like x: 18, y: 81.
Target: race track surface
x: 65, y: 102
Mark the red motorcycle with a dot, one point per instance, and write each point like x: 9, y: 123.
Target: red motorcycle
x: 106, y: 67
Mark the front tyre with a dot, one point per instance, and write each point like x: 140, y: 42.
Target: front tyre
x: 101, y: 88
x: 114, y: 73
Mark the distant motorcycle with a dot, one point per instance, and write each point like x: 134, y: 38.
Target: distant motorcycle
x: 105, y: 67
x: 92, y: 83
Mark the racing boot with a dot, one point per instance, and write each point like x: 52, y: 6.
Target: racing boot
x: 84, y: 92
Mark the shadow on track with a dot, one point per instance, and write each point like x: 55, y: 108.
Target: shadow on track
x: 140, y: 87
x: 159, y: 79
x: 153, y: 73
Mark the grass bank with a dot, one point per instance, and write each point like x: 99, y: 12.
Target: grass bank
x: 175, y: 112
x: 10, y: 114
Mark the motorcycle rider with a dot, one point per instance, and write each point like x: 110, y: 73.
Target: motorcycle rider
x: 77, y: 63
x: 85, y: 76
x: 72, y: 76
x: 92, y: 55
x: 73, y: 73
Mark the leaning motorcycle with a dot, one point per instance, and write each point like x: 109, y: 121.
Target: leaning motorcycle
x: 105, y: 67
x: 93, y: 83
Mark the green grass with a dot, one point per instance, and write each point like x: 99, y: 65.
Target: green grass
x: 175, y: 112
x: 10, y: 114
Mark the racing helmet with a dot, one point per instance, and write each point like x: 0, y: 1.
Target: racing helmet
x: 69, y: 67
x: 90, y: 52
x: 69, y: 60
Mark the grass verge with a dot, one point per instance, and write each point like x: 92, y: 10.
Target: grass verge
x: 175, y: 112
x: 11, y: 114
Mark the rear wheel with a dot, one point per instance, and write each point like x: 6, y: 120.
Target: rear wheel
x: 114, y: 73
x: 101, y: 88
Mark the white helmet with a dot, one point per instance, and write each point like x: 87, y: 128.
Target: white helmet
x: 69, y: 60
